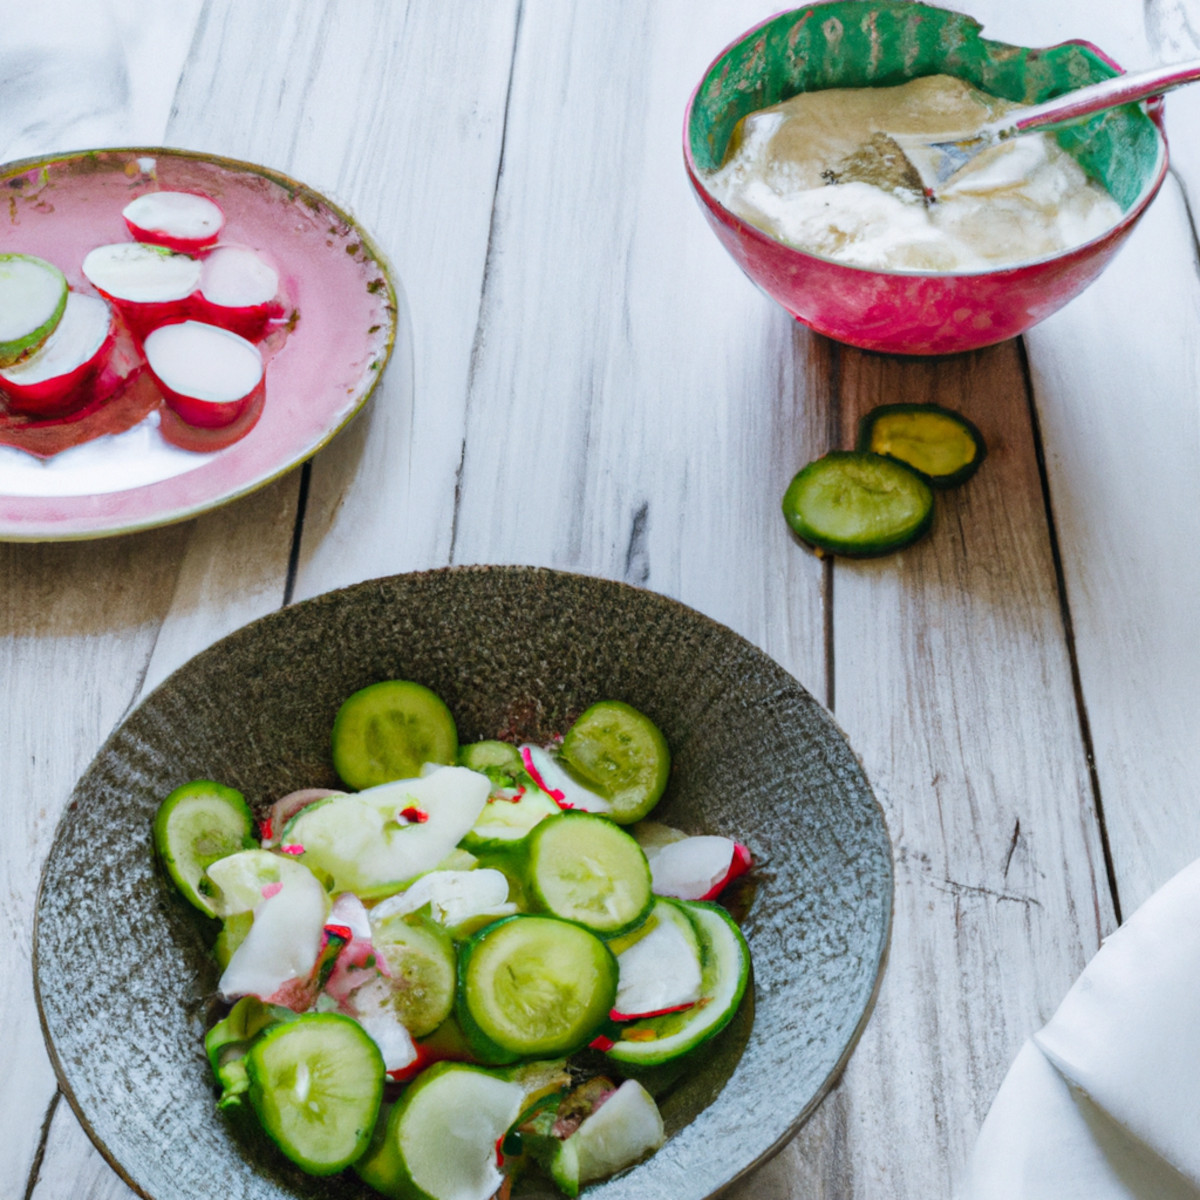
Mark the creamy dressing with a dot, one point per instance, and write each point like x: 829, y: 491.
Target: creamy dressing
x: 810, y: 173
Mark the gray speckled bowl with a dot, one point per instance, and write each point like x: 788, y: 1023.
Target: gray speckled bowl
x: 123, y: 970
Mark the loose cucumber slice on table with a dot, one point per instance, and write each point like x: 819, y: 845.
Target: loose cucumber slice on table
x: 941, y: 444
x: 390, y: 731
x: 856, y: 503
x: 724, y: 973
x: 440, y: 1139
x: 196, y: 825
x: 33, y: 296
x: 583, y: 868
x: 533, y: 987
x: 316, y: 1084
x: 620, y: 753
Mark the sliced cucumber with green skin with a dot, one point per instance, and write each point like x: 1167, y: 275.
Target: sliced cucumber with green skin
x: 390, y: 731
x: 941, y: 445
x: 499, y: 761
x: 196, y: 825
x: 365, y: 843
x: 33, y: 297
x: 725, y: 971
x: 422, y: 970
x: 583, y: 868
x: 236, y: 882
x: 316, y: 1084
x: 232, y: 935
x: 440, y: 1139
x: 228, y: 1042
x: 860, y: 504
x: 621, y: 1132
x: 620, y: 753
x: 533, y: 987
x: 503, y: 822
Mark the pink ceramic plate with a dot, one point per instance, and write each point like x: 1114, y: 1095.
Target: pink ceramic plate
x: 331, y: 273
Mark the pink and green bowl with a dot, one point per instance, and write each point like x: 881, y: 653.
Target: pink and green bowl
x: 864, y: 43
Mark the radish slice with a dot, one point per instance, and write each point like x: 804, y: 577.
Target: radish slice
x: 238, y: 290
x: 696, y: 868
x: 150, y: 285
x: 283, y: 942
x: 660, y: 972
x: 33, y: 295
x: 177, y: 220
x: 558, y: 785
x: 624, y: 1129
x: 208, y: 375
x: 454, y: 898
x: 48, y: 381
x: 394, y: 1041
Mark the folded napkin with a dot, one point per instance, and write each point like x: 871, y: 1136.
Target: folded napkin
x: 1104, y: 1102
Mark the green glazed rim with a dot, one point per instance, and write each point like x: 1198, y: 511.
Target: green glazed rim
x: 883, y: 43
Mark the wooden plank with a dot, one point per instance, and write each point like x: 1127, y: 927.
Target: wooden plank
x: 79, y: 620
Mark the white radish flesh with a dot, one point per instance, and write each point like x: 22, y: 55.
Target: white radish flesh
x: 235, y: 277
x: 690, y: 869
x: 553, y: 779
x: 660, y: 972
x: 453, y: 897
x: 180, y: 220
x: 208, y: 374
x: 623, y: 1130
x: 283, y: 942
x: 243, y: 880
x: 65, y: 359
x: 141, y: 274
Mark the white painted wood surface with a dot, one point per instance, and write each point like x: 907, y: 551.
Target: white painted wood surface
x: 593, y: 386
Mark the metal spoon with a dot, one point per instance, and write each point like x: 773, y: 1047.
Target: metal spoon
x: 937, y: 161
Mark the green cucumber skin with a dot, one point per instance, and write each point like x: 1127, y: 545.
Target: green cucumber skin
x: 642, y: 1054
x: 13, y: 351
x: 260, y: 1090
x: 818, y: 540
x: 358, y: 718
x: 241, y: 831
x: 484, y: 1047
x: 547, y: 830
x: 942, y: 482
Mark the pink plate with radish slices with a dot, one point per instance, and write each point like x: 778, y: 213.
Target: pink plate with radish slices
x: 251, y: 317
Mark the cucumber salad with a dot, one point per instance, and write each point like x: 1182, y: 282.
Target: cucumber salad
x: 461, y: 967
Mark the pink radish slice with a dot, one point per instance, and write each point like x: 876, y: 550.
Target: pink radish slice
x: 50, y: 380
x: 207, y: 374
x: 150, y: 285
x: 696, y: 868
x: 659, y: 973
x: 208, y: 441
x: 558, y: 785
x: 238, y: 291
x: 178, y: 220
x: 357, y: 961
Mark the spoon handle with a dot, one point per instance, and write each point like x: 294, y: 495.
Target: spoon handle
x: 1109, y: 93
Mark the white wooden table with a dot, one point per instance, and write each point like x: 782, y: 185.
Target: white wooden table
x: 595, y: 387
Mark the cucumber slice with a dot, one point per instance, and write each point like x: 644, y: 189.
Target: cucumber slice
x: 423, y: 972
x: 390, y: 731
x: 942, y: 446
x: 236, y: 883
x: 33, y: 296
x: 365, y: 843
x: 499, y: 761
x: 196, y: 825
x: 316, y: 1084
x: 583, y: 868
x: 620, y: 753
x: 533, y: 987
x: 856, y: 503
x: 232, y: 935
x: 621, y: 1132
x: 504, y: 821
x: 725, y: 971
x: 440, y: 1140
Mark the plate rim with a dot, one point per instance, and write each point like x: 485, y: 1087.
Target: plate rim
x: 881, y: 950
x: 396, y: 305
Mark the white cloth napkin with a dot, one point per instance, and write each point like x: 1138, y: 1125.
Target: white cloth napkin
x: 1104, y: 1102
